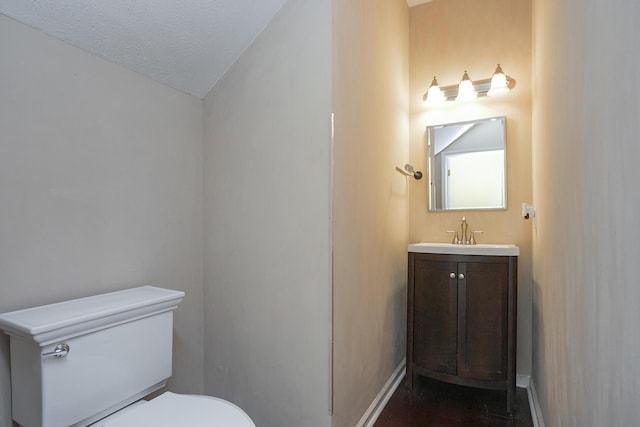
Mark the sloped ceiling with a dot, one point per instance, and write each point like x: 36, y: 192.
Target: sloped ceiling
x: 187, y: 45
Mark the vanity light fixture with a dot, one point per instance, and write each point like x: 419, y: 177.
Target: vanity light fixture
x: 467, y: 90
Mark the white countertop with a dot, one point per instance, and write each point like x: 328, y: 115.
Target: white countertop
x: 479, y: 249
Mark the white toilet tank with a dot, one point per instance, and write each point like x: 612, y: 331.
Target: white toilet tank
x: 76, y: 361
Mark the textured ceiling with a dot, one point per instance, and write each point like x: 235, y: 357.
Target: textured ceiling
x: 187, y: 45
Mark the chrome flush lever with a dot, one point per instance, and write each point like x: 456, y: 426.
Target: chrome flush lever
x: 61, y: 350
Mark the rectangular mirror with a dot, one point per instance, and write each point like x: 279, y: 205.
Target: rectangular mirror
x: 467, y: 165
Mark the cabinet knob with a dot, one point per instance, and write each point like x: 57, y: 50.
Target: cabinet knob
x: 460, y: 276
x: 452, y: 275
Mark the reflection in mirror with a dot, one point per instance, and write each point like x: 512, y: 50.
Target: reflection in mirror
x: 467, y: 165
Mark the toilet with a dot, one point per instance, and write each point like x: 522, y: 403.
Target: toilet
x: 92, y: 361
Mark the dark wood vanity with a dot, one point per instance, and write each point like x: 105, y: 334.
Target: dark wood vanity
x: 461, y: 320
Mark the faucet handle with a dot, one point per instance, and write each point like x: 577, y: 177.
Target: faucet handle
x: 472, y: 241
x: 456, y: 239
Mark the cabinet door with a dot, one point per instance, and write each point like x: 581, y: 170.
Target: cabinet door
x: 482, y: 320
x: 435, y: 315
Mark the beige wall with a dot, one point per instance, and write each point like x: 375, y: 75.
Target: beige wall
x: 100, y: 187
x: 587, y: 244
x: 370, y: 216
x: 267, y: 223
x: 448, y: 37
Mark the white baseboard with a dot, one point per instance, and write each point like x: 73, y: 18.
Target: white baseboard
x: 522, y: 381
x: 534, y: 404
x: 373, y: 412
x: 525, y: 381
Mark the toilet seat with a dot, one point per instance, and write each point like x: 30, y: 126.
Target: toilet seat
x: 170, y: 410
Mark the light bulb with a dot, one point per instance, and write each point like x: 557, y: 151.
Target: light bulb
x: 466, y: 92
x: 499, y: 85
x: 434, y: 94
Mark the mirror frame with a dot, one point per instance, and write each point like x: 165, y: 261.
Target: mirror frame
x: 431, y: 194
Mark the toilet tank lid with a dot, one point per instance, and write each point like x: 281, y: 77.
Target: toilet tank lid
x: 62, y: 320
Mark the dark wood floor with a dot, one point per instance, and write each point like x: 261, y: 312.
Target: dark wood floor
x: 433, y: 403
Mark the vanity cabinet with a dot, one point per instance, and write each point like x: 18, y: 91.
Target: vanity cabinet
x: 461, y: 320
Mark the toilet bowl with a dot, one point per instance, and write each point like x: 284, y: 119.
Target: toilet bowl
x: 171, y: 410
x: 91, y: 361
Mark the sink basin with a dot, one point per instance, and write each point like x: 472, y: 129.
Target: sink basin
x: 479, y: 249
